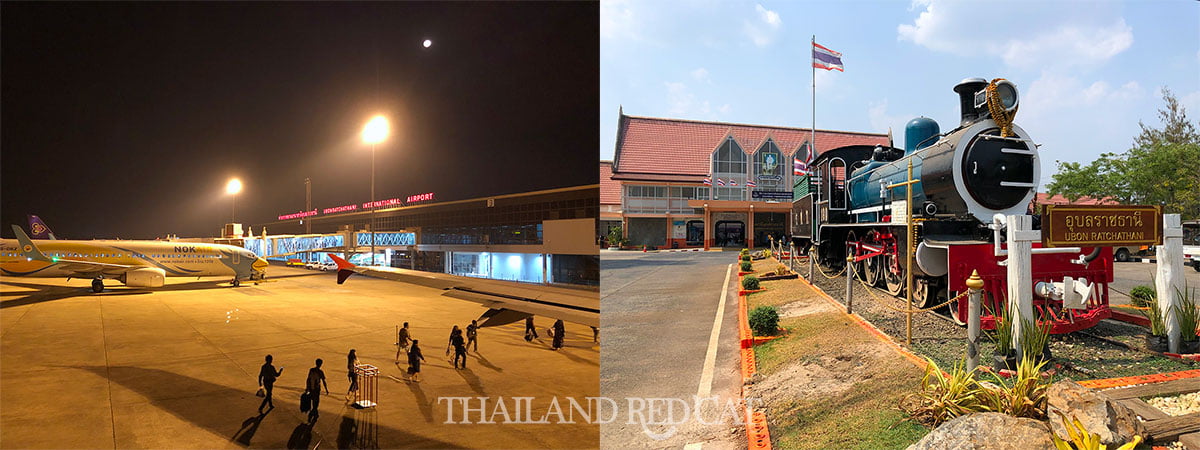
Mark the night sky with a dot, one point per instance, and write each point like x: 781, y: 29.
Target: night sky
x: 126, y: 120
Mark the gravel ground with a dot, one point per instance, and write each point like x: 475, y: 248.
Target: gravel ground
x: 1178, y: 405
x: 1079, y: 355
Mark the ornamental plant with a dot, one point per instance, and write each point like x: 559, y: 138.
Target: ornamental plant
x: 746, y: 257
x: 781, y: 270
x: 1033, y: 338
x: 764, y: 320
x: 766, y: 253
x: 1158, y: 326
x: 747, y: 267
x: 943, y: 395
x: 750, y: 283
x: 1186, y: 314
x: 1081, y: 439
x: 1140, y: 295
x: 1002, y: 335
x: 1025, y: 397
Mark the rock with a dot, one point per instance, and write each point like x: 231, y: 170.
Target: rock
x: 991, y: 431
x: 1115, y: 423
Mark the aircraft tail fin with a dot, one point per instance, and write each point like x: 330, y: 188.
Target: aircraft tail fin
x: 39, y: 228
x: 30, y: 251
x: 345, y: 268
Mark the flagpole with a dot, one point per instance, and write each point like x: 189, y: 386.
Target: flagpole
x: 812, y: 143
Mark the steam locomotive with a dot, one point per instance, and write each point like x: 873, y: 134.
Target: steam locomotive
x: 965, y: 181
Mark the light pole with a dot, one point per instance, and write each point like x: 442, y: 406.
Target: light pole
x: 232, y: 188
x: 373, y: 133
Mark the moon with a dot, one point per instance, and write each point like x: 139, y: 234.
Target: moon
x: 427, y: 43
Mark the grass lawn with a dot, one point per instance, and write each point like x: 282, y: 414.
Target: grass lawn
x: 856, y: 406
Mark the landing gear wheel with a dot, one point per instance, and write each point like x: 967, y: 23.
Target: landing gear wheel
x: 97, y: 286
x: 237, y: 282
x: 893, y: 278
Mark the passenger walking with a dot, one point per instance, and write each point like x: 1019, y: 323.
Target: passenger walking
x: 402, y: 339
x: 559, y: 331
x: 316, y: 378
x: 414, y: 361
x: 450, y: 342
x: 530, y: 330
x: 266, y: 378
x: 351, y: 363
x: 472, y: 335
x: 460, y: 350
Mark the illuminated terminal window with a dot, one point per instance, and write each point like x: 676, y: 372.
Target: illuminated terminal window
x: 523, y: 267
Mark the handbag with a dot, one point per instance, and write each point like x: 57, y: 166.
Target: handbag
x: 262, y: 392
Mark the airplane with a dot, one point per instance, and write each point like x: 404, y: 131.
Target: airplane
x: 507, y: 301
x: 133, y: 263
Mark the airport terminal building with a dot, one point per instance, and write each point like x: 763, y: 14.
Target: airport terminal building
x: 682, y: 183
x: 537, y: 237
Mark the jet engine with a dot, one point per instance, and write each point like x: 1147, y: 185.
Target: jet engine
x: 145, y: 277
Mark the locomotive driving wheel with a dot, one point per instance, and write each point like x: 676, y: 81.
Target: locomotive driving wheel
x: 893, y: 274
x: 921, y: 293
x: 871, y: 270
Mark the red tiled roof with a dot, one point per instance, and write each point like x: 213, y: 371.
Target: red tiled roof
x: 610, y: 191
x: 1045, y: 199
x: 684, y: 147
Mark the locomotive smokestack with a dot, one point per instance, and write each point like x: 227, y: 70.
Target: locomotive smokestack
x: 966, y: 90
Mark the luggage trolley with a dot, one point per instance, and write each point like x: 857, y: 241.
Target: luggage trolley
x: 367, y: 395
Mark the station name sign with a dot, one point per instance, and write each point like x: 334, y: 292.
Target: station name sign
x: 1101, y: 225
x: 771, y: 195
x: 338, y: 209
x: 428, y: 196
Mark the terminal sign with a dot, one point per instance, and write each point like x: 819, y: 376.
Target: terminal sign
x: 338, y: 209
x: 420, y: 197
x: 299, y: 215
x: 1101, y: 225
x: 378, y: 203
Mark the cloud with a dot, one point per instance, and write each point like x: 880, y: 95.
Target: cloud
x: 701, y: 75
x: 1052, y: 36
x: 682, y: 102
x: 617, y: 20
x: 763, y: 31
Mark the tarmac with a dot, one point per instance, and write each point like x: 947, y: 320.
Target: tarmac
x: 176, y: 367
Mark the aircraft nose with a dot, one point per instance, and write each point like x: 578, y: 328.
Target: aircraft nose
x: 260, y: 265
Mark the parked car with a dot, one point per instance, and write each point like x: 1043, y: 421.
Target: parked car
x: 327, y: 266
x: 312, y: 265
x: 1123, y: 254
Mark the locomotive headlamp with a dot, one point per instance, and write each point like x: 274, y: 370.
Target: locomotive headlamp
x: 1006, y: 92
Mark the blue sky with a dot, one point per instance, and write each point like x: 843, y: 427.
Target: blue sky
x: 1087, y: 71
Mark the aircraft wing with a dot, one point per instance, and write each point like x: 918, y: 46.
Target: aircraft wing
x: 508, y: 301
x: 81, y: 268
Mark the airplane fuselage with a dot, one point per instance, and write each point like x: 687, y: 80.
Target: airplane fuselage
x: 116, y: 258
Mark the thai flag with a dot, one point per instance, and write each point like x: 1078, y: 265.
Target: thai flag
x: 750, y: 183
x: 732, y: 182
x: 799, y: 168
x: 720, y: 183
x: 708, y: 181
x: 827, y: 59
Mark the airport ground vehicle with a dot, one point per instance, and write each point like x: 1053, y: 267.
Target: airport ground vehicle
x: 969, y: 179
x: 295, y: 263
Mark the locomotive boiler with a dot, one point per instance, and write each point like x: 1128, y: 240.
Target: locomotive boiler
x: 985, y: 168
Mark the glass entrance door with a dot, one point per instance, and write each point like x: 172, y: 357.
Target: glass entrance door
x: 730, y: 234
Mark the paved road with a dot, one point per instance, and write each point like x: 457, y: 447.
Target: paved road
x: 1126, y: 275
x: 175, y: 367
x: 658, y: 312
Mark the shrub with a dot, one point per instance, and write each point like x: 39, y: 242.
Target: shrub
x: 1186, y: 314
x: 745, y: 251
x: 747, y: 267
x: 1033, y: 338
x: 781, y: 270
x: 1141, y: 295
x: 750, y: 283
x: 764, y: 320
x: 1002, y: 335
x: 1025, y: 397
x: 943, y: 396
x: 766, y: 253
x: 1157, y: 325
x: 745, y: 257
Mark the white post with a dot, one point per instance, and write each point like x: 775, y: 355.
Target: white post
x: 1020, y: 277
x: 1170, y: 277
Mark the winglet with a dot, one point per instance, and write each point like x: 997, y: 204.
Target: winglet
x: 345, y: 268
x: 31, y: 251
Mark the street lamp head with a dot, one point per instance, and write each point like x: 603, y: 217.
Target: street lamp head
x: 234, y: 186
x: 376, y: 130
x: 427, y: 43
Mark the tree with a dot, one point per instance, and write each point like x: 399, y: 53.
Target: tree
x: 1162, y: 167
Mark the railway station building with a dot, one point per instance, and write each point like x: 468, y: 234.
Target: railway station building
x: 677, y: 183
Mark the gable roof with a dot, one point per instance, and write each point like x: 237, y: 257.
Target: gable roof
x: 1057, y: 199
x: 649, y: 145
x: 610, y: 191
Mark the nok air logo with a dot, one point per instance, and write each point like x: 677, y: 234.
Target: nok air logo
x: 770, y: 161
